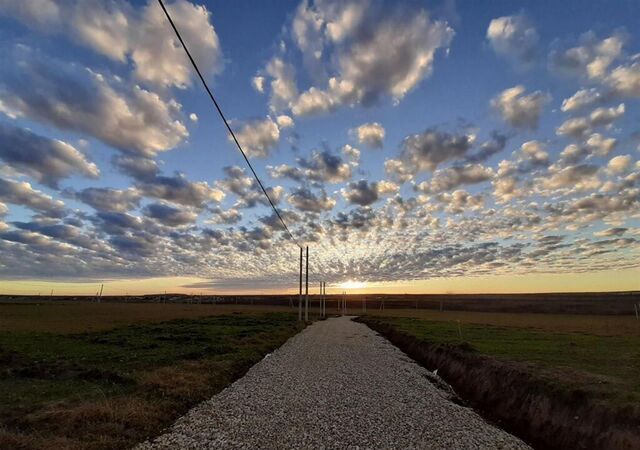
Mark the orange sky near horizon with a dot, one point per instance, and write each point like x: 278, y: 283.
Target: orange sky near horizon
x: 611, y: 280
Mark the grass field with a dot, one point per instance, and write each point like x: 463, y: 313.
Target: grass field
x: 534, y: 373
x: 606, y: 357
x: 103, y: 376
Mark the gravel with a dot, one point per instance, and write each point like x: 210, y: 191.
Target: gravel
x: 336, y: 385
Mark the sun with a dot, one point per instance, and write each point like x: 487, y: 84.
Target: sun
x: 352, y: 284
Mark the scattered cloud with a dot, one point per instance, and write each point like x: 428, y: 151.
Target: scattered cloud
x: 520, y: 111
x: 515, y: 38
x: 369, y: 134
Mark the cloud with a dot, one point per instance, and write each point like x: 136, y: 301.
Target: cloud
x: 178, y: 189
x: 619, y: 164
x: 258, y: 137
x: 228, y: 217
x: 143, y: 169
x: 169, y: 215
x: 618, y: 231
x: 426, y: 151
x: 373, y: 52
x: 454, y: 177
x: 515, y: 38
x: 591, y: 59
x: 323, y: 167
x: 361, y: 193
x: 520, y: 111
x: 579, y: 127
x: 246, y: 188
x: 581, y: 99
x: 258, y: 83
x: 459, y: 201
x: 495, y: 144
x: 364, y: 193
x: 283, y: 83
x: 581, y: 177
x: 370, y: 134
x: 46, y: 160
x: 284, y: 121
x: 21, y: 193
x: 71, y: 97
x: 624, y: 81
x: 305, y: 200
x: 108, y: 199
x: 123, y: 33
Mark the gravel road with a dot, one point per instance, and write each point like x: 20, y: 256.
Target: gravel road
x: 336, y: 385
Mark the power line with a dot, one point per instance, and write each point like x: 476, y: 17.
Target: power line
x: 224, y: 119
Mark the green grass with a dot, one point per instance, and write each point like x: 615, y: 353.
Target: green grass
x: 609, y: 365
x: 87, y: 377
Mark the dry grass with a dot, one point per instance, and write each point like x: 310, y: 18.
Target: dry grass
x: 110, y: 389
x: 76, y: 317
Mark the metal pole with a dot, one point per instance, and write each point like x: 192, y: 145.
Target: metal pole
x: 324, y: 299
x: 306, y: 289
x: 300, y: 292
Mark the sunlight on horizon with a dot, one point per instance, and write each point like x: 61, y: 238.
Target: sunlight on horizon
x: 352, y: 284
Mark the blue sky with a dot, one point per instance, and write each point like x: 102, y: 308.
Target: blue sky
x: 407, y: 143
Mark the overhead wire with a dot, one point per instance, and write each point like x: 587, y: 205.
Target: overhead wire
x: 224, y: 119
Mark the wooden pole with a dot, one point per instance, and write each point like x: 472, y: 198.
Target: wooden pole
x: 306, y: 289
x: 300, y: 291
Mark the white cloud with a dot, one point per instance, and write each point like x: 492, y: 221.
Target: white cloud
x: 283, y: 84
x: 387, y: 54
x: 619, y: 164
x: 258, y: 83
x: 22, y: 193
x: 515, y: 38
x: 121, y: 32
x: 454, y: 177
x: 284, y: 121
x: 578, y: 127
x: 521, y: 111
x: 591, y: 59
x: 72, y: 97
x: 193, y: 117
x: 581, y: 99
x: 370, y: 134
x: 624, y: 81
x: 576, y: 178
x: 258, y: 137
x: 352, y: 153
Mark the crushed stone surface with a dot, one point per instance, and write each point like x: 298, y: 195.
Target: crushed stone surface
x: 336, y: 385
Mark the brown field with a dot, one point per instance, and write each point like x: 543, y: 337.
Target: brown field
x: 63, y: 317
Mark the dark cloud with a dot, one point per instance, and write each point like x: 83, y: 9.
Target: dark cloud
x: 47, y: 160
x: 168, y: 215
x: 21, y: 193
x: 305, y: 200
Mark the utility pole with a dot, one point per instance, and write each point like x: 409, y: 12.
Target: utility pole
x: 324, y: 299
x: 300, y: 291
x: 306, y: 288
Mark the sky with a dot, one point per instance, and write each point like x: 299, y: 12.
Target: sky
x: 418, y: 146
